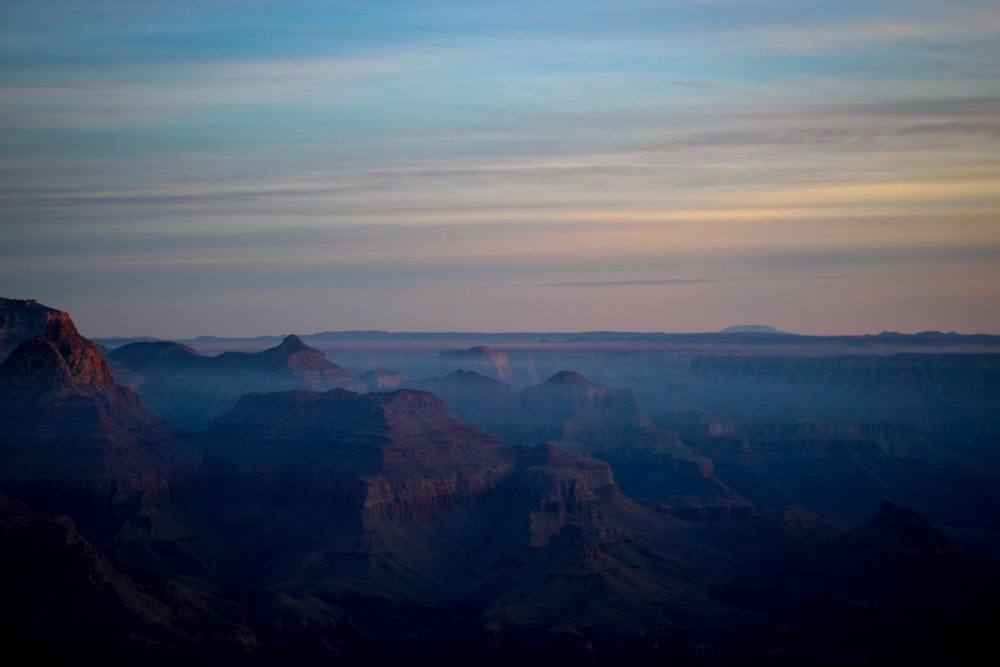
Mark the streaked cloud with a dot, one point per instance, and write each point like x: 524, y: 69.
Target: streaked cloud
x: 319, y: 146
x: 635, y: 283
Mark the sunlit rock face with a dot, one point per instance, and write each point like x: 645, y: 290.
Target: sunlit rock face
x: 72, y: 438
x: 60, y: 357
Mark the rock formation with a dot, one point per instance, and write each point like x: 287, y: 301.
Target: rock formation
x: 834, y: 465
x: 191, y: 390
x: 315, y: 525
x: 380, y: 379
x: 481, y: 359
x: 397, y: 455
x: 21, y: 320
x: 70, y: 437
x: 490, y: 404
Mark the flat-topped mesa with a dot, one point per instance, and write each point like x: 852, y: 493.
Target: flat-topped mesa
x: 482, y: 359
x: 382, y: 456
x: 58, y: 357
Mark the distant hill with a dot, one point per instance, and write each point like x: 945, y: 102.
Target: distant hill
x: 755, y: 329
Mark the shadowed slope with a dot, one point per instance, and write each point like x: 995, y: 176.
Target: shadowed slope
x: 73, y: 440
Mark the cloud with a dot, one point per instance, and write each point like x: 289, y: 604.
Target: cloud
x: 635, y: 283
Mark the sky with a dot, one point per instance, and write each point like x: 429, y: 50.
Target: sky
x: 249, y: 168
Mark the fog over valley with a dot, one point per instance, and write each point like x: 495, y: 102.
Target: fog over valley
x: 750, y: 497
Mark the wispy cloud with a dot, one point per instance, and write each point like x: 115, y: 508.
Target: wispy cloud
x: 635, y: 283
x: 515, y: 149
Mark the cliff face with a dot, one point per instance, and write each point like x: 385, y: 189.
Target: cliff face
x: 565, y: 490
x: 21, y: 320
x: 60, y: 357
x: 952, y: 397
x: 569, y: 407
x: 579, y: 416
x: 70, y: 437
x: 393, y: 456
x: 835, y: 465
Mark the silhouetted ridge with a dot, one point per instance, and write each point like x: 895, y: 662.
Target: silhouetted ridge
x: 471, y: 377
x: 154, y: 353
x: 568, y: 377
x: 62, y: 599
x: 293, y: 344
x: 908, y: 531
x: 192, y: 391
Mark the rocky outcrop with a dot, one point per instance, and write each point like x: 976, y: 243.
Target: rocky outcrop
x: 564, y: 490
x: 60, y: 357
x: 380, y: 379
x: 481, y: 359
x: 569, y: 407
x: 71, y: 439
x: 489, y: 404
x: 191, y: 391
x: 836, y: 466
x: 292, y: 358
x: 579, y: 416
x: 21, y: 320
x: 606, y: 422
x: 394, y: 456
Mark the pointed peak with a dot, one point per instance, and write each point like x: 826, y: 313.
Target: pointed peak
x: 291, y: 346
x: 909, y: 530
x: 293, y: 342
x: 61, y: 328
x: 60, y: 356
x: 568, y: 378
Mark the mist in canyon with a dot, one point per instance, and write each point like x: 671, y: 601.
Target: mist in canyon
x: 375, y: 498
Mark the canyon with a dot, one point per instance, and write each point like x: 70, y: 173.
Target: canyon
x: 744, y: 498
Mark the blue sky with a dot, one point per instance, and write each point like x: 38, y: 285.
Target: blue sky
x: 245, y: 168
